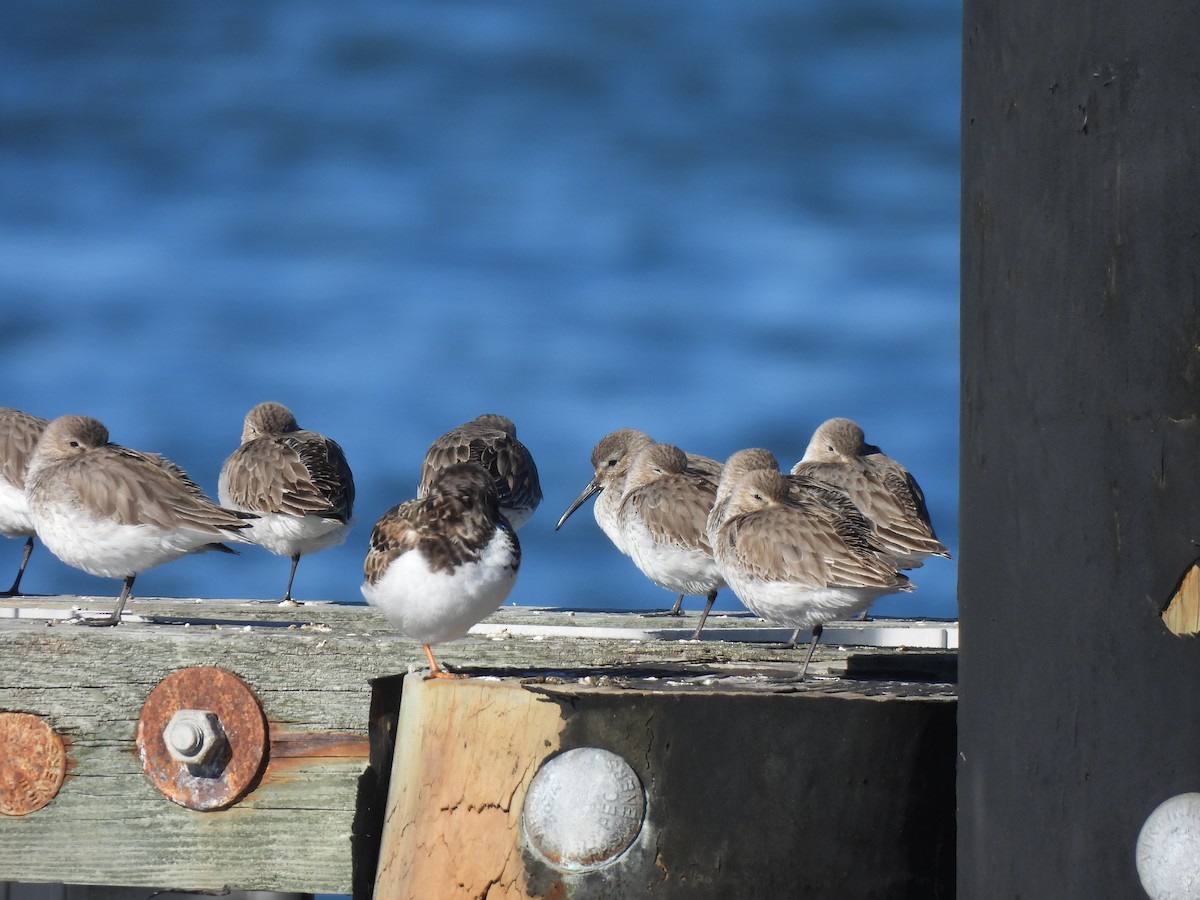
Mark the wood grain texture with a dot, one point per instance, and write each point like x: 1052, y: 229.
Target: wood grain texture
x: 457, y: 786
x: 311, y: 667
x: 756, y: 786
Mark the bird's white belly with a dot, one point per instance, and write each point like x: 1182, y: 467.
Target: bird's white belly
x: 672, y: 566
x: 15, y: 520
x: 605, y: 511
x: 516, y: 516
x: 109, y: 549
x: 433, y: 607
x: 286, y: 535
x: 796, y: 606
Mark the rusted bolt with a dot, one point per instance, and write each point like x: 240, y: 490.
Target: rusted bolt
x: 33, y: 762
x: 209, y: 715
x: 195, y: 738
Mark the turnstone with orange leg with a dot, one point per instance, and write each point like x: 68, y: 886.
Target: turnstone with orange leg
x: 438, y: 564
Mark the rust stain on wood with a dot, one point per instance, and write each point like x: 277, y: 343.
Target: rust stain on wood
x: 289, y: 745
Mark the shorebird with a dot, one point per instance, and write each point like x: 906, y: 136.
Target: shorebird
x: 801, y: 488
x: 297, y: 482
x: 662, y: 517
x: 115, y: 512
x: 438, y: 564
x: 880, y: 487
x: 611, y: 459
x: 489, y: 441
x: 795, y: 560
x: 19, y: 432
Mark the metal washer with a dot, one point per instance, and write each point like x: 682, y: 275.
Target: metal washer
x: 241, y: 717
x: 33, y: 763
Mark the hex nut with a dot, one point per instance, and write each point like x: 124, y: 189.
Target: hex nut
x: 194, y: 737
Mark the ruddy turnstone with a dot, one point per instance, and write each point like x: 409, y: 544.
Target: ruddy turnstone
x: 438, y: 564
x: 491, y: 442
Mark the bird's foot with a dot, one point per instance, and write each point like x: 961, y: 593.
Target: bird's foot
x: 102, y: 622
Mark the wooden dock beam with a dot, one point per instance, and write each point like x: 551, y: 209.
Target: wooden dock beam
x: 753, y: 787
x: 715, y: 729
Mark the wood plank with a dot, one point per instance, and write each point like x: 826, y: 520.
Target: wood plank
x: 753, y: 786
x: 317, y: 671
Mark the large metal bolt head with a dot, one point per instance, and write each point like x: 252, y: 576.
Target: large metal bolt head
x: 1168, y: 849
x: 194, y: 737
x: 583, y: 809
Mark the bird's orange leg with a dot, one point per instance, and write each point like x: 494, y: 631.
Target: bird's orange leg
x: 436, y: 671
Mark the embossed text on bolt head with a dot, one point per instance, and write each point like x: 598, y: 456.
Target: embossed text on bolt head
x: 583, y: 809
x: 1168, y: 849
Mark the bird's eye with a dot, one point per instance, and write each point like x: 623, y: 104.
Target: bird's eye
x: 74, y: 443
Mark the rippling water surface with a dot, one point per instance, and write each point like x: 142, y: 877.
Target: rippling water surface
x: 720, y: 223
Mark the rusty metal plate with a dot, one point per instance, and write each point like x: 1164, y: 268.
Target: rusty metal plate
x: 33, y: 762
x: 241, y: 718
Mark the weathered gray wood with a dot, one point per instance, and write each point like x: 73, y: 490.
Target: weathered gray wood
x: 312, y: 669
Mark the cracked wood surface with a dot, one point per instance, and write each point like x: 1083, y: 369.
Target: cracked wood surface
x: 451, y: 812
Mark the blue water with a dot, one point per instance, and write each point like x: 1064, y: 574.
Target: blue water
x: 718, y: 222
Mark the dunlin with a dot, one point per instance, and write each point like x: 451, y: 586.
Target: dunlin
x: 795, y: 560
x: 879, y: 486
x: 801, y: 488
x: 115, y: 512
x: 662, y: 516
x: 611, y: 459
x: 19, y: 432
x: 297, y: 482
x: 439, y: 564
x: 491, y: 442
